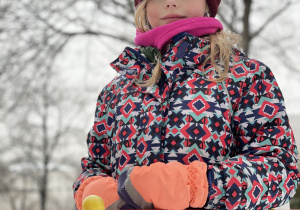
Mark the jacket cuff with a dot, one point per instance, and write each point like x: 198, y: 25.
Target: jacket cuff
x: 128, y: 193
x: 217, y: 192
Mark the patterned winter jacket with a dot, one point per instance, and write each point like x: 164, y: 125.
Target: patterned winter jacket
x: 239, y: 127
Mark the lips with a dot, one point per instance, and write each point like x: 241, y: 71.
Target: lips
x: 172, y: 16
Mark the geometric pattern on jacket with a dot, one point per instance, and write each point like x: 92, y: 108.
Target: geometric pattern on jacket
x: 239, y: 127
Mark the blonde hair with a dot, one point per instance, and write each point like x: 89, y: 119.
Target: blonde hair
x: 221, y: 44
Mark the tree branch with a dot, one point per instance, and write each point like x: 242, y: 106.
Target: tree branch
x: 227, y: 23
x: 272, y: 18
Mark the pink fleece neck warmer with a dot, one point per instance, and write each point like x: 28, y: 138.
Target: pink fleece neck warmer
x: 162, y: 35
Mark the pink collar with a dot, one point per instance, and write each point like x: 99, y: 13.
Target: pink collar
x: 162, y: 35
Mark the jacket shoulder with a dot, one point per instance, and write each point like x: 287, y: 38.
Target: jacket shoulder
x: 249, y: 68
x: 110, y: 89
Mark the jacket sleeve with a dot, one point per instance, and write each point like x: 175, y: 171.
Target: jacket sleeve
x: 264, y: 172
x: 98, y: 161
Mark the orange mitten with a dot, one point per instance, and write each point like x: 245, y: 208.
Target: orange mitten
x: 166, y: 186
x: 105, y: 187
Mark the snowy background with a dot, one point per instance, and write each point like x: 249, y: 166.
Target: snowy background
x: 54, y: 61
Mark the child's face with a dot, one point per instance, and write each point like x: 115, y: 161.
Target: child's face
x: 162, y: 12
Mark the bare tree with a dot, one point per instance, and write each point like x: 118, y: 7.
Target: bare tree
x: 238, y: 17
x: 33, y: 34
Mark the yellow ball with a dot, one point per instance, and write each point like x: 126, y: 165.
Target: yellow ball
x: 93, y: 202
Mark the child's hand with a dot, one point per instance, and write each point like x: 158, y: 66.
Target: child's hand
x: 165, y: 186
x: 98, y: 193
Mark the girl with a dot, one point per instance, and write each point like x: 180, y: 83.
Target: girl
x: 190, y: 121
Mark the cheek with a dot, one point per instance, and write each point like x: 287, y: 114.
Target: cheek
x: 197, y: 9
x: 152, y: 15
x: 197, y: 13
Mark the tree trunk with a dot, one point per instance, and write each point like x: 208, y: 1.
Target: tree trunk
x: 43, y: 188
x: 45, y: 150
x: 246, y: 30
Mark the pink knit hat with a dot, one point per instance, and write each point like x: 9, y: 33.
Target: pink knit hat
x: 212, y: 4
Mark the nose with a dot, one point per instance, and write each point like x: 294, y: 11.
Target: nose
x: 171, y: 3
